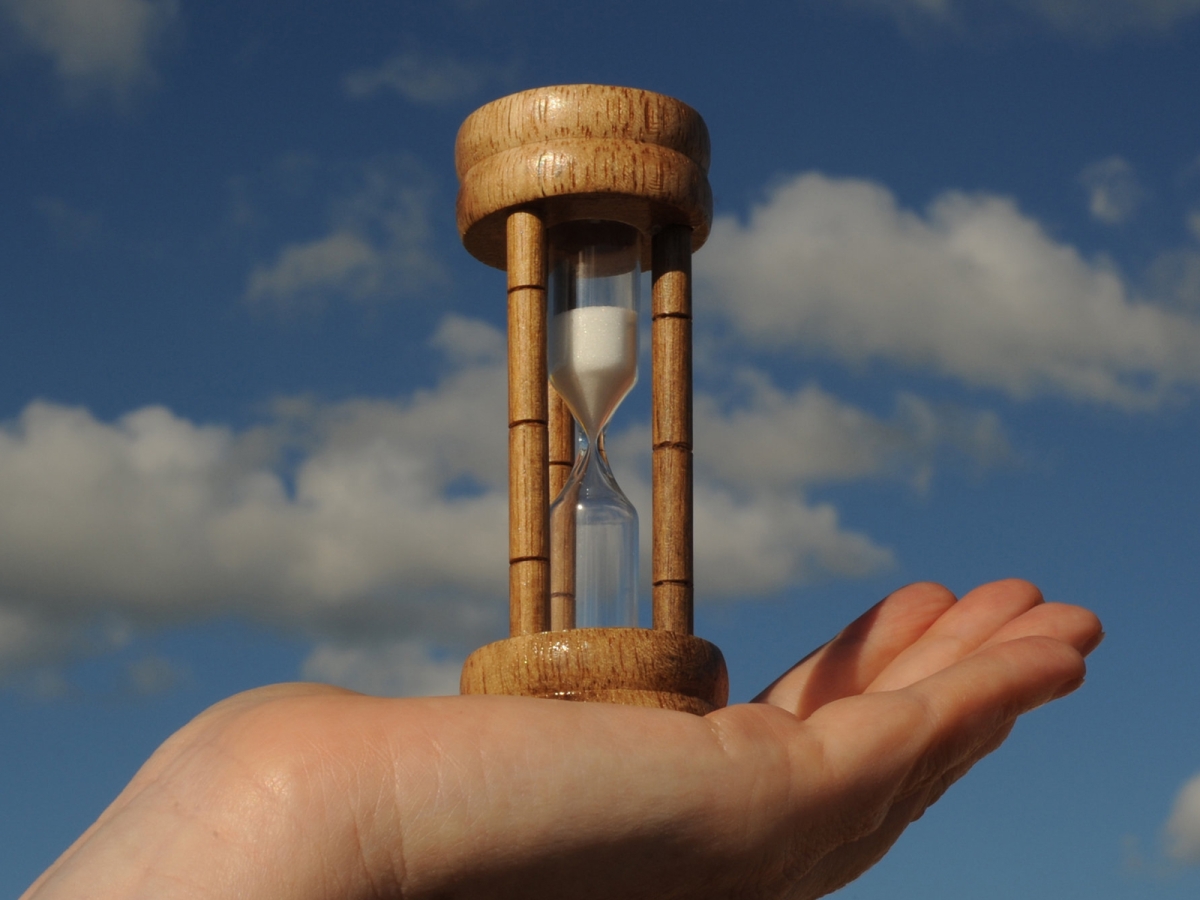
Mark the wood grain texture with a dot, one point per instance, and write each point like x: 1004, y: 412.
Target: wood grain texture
x: 633, y: 666
x: 562, y: 539
x: 582, y: 152
x: 528, y: 469
x: 528, y: 580
x: 671, y: 429
x: 562, y: 574
x: 581, y: 110
x: 562, y: 442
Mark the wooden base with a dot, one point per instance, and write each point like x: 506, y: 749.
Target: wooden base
x: 631, y: 666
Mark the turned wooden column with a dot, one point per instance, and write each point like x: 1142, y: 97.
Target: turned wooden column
x: 671, y: 428
x: 562, y: 458
x: 526, y: 164
x: 528, y: 439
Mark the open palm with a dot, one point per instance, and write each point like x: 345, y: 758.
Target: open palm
x: 307, y: 792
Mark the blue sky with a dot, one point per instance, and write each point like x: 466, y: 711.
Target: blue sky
x: 948, y: 328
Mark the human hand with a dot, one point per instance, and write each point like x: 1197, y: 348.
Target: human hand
x: 306, y: 792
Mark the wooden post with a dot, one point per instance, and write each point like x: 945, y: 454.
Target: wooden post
x: 528, y: 470
x: 562, y: 443
x: 562, y: 570
x: 671, y: 363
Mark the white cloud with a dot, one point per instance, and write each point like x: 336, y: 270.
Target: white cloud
x: 404, y: 668
x: 69, y: 224
x: 907, y: 12
x: 26, y: 639
x: 972, y: 289
x: 752, y: 445
x: 1175, y: 273
x: 1094, y: 20
x: 153, y: 519
x: 1113, y: 190
x: 747, y: 546
x: 339, y: 261
x: 760, y: 439
x: 759, y: 448
x: 753, y: 543
x: 95, y: 45
x: 377, y: 245
x: 466, y: 341
x: 1183, y: 828
x: 420, y: 78
x: 384, y: 538
x: 152, y: 675
x: 1102, y: 19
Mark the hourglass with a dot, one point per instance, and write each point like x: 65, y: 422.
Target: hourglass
x: 573, y: 191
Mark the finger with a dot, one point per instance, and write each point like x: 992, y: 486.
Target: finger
x: 848, y: 663
x: 963, y: 629
x: 914, y: 735
x: 875, y: 748
x: 1072, y: 625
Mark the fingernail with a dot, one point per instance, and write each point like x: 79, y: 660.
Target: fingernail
x: 1095, y: 643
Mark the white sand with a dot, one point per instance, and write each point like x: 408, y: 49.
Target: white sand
x: 593, y: 360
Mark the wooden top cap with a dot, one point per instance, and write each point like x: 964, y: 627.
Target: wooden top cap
x: 581, y: 151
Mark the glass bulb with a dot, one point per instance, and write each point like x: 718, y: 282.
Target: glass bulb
x: 592, y: 361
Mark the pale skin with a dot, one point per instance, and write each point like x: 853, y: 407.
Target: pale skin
x: 306, y: 792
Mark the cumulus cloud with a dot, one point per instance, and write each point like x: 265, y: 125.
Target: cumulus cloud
x: 761, y: 448
x: 377, y: 246
x: 752, y: 435
x: 151, y: 675
x: 1093, y: 20
x: 1183, y: 827
x: 910, y: 12
x: 1175, y: 273
x: 153, y: 519
x: 748, y: 546
x: 1113, y: 190
x: 420, y: 78
x: 349, y: 522
x: 752, y: 542
x: 27, y: 639
x: 971, y: 288
x: 69, y: 224
x: 1102, y: 19
x: 396, y: 668
x: 95, y: 45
